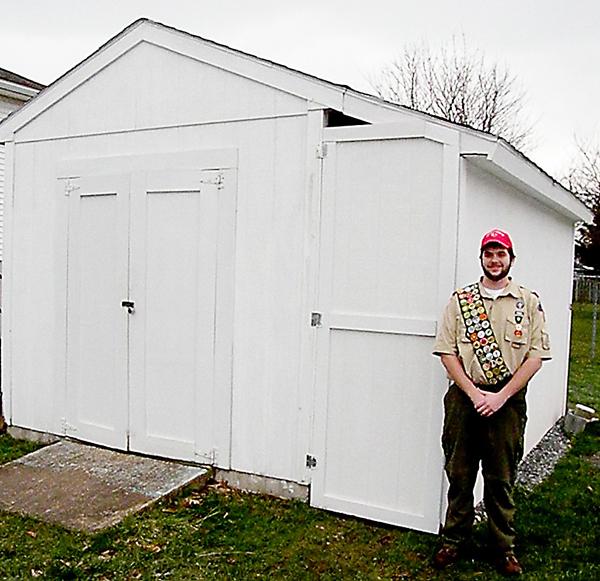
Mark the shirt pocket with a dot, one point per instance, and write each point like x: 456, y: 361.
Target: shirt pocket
x: 517, y: 334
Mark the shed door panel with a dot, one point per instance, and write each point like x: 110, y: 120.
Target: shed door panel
x: 97, y: 326
x: 179, y: 396
x: 378, y: 406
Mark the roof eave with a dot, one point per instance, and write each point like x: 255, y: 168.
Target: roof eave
x: 500, y: 159
x: 16, y: 91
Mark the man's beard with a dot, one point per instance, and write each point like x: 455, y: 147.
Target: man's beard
x: 496, y: 277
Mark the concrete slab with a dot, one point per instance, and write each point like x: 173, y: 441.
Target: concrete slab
x: 87, y: 488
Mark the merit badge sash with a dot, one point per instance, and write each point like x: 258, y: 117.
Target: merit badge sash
x: 479, y: 332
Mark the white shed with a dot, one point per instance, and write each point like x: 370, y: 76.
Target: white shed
x: 215, y: 258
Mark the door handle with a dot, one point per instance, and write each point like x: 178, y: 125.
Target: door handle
x: 129, y: 305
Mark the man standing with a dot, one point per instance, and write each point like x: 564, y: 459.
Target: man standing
x: 491, y: 340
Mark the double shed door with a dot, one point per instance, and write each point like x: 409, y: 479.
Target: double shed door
x: 149, y: 312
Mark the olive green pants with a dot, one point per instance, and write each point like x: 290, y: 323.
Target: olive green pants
x: 496, y: 442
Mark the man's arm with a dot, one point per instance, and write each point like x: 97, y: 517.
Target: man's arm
x: 457, y: 374
x: 492, y: 402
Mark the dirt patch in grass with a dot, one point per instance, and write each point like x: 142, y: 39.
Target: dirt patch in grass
x: 595, y: 460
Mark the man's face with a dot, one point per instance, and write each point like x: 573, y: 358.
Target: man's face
x: 495, y: 262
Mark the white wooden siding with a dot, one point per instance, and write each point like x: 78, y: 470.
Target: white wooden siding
x: 2, y: 186
x: 172, y: 92
x: 269, y: 322
x: 7, y: 106
x: 540, y: 240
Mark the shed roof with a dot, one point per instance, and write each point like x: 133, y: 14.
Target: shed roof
x: 489, y: 151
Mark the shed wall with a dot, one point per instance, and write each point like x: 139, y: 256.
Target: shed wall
x: 174, y: 91
x: 544, y: 248
x: 270, y: 262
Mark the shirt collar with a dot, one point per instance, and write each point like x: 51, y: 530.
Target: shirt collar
x: 512, y: 288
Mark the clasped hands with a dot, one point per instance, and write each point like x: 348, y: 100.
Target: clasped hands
x: 488, y: 403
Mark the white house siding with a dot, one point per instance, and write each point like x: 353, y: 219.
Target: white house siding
x: 269, y: 323
x: 544, y: 249
x: 7, y: 106
x: 2, y: 173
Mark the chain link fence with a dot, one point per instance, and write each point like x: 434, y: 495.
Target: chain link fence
x: 586, y: 289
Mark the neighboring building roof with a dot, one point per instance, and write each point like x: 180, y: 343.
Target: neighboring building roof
x: 491, y: 152
x: 19, y: 80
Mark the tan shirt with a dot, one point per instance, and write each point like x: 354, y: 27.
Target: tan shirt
x: 517, y: 341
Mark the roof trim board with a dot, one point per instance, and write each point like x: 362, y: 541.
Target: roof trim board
x: 407, y: 129
x: 501, y: 161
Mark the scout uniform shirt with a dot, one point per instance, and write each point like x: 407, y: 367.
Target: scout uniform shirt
x: 518, y: 323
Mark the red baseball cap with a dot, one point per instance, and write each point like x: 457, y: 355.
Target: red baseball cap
x: 497, y: 236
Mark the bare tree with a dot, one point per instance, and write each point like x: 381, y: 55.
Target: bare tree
x: 459, y: 85
x: 583, y: 180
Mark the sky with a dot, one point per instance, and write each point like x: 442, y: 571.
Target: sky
x: 552, y: 47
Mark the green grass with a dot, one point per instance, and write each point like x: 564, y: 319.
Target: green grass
x: 584, y: 375
x: 223, y: 534
x: 11, y: 449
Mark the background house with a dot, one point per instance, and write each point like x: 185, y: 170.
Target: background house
x: 216, y: 258
x: 15, y: 90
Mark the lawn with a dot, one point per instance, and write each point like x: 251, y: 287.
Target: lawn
x: 223, y: 534
x: 584, y: 375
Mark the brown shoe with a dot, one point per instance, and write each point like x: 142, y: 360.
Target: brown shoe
x: 508, y: 564
x: 445, y: 556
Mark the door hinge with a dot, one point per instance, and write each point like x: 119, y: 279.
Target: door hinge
x: 66, y: 426
x: 315, y: 319
x: 311, y: 461
x: 321, y: 150
x: 219, y: 181
x: 70, y: 186
x: 209, y: 457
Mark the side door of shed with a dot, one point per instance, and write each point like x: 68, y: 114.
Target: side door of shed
x: 376, y: 439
